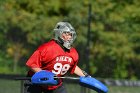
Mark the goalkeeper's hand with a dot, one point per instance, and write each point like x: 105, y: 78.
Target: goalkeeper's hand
x: 92, y: 83
x: 44, y: 77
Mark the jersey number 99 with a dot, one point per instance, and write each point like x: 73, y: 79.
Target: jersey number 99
x: 60, y: 69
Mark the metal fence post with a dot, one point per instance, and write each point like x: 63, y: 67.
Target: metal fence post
x: 22, y: 86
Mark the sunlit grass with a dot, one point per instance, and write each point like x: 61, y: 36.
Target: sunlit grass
x: 9, y: 86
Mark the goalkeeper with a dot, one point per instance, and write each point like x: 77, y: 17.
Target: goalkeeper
x: 57, y: 56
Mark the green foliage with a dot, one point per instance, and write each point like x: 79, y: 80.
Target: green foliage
x: 115, y: 34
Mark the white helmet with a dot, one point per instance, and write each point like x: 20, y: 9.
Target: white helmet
x: 62, y: 27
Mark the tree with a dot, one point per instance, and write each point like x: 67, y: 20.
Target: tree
x: 115, y: 34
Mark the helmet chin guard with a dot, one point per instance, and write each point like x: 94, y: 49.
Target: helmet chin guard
x: 67, y: 44
x: 62, y: 27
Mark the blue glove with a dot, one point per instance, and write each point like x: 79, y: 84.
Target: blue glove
x: 94, y: 84
x: 44, y: 77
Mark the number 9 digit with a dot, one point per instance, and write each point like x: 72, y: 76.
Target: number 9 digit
x: 65, y: 69
x: 57, y: 67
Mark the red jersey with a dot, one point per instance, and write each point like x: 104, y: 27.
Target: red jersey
x: 52, y: 57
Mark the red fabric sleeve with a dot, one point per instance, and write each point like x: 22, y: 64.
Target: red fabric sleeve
x: 73, y: 69
x: 35, y: 60
x: 75, y: 56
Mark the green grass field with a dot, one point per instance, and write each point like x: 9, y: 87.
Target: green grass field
x: 112, y: 89
x: 115, y: 89
x: 11, y: 86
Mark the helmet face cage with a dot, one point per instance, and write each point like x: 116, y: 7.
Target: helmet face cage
x: 63, y: 27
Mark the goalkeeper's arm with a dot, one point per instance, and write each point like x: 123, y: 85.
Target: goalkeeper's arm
x: 80, y: 72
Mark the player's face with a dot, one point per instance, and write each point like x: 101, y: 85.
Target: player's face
x: 66, y: 36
